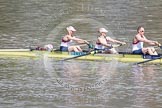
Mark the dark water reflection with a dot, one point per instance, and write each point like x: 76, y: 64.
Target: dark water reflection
x: 39, y: 83
x: 46, y: 83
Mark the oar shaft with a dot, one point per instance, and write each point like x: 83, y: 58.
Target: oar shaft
x: 14, y: 50
x: 75, y: 57
x: 148, y: 60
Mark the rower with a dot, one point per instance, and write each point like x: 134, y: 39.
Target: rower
x: 138, y: 42
x: 67, y: 40
x: 104, y: 41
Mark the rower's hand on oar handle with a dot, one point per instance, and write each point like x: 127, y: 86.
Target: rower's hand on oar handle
x: 157, y: 43
x: 85, y: 41
x: 160, y: 46
x: 123, y: 43
x: 89, y: 45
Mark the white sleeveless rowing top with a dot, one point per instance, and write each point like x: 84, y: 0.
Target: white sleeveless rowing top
x: 99, y: 45
x: 65, y: 43
x: 137, y: 45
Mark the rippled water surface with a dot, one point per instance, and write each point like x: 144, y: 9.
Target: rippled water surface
x: 44, y: 82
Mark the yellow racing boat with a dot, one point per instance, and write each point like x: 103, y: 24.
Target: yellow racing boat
x: 93, y: 56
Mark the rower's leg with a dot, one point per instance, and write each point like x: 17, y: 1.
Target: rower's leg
x: 153, y: 51
x: 73, y: 48
x: 79, y: 49
x: 145, y: 50
x: 70, y: 48
x: 149, y: 50
x: 113, y: 51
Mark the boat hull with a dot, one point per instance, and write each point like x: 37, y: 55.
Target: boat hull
x: 62, y: 55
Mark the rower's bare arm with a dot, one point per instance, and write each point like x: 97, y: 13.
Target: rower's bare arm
x: 115, y: 41
x: 139, y: 38
x: 150, y: 42
x: 73, y: 38
x: 79, y: 40
x: 83, y: 41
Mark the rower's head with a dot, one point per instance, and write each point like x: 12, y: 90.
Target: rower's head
x: 70, y: 29
x: 140, y: 30
x: 103, y: 31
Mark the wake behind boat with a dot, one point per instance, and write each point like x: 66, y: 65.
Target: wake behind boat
x: 121, y: 57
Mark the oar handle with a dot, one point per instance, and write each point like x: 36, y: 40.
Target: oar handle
x: 160, y: 46
x: 89, y: 45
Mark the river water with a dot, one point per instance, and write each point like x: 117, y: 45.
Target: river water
x: 44, y: 82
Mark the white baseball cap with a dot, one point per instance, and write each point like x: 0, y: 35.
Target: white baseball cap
x: 70, y: 28
x: 103, y: 30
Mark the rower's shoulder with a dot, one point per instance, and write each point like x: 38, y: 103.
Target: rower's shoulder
x: 100, y: 38
x: 68, y: 36
x: 136, y: 36
x: 108, y: 37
